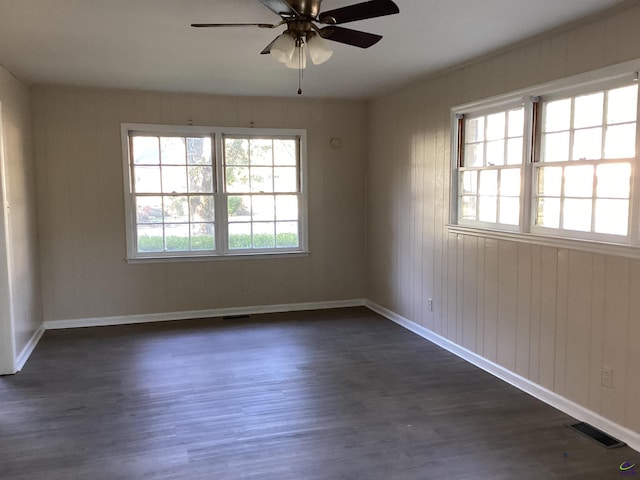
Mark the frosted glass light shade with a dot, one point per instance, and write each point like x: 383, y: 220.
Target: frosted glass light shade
x: 283, y: 48
x: 319, y: 49
x: 299, y: 55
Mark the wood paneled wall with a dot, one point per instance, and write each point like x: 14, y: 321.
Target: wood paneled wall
x: 554, y: 316
x: 81, y: 210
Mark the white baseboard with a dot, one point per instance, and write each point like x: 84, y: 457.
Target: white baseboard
x: 28, y: 348
x: 631, y: 438
x: 211, y: 313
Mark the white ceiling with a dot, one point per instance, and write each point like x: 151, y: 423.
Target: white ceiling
x: 148, y: 44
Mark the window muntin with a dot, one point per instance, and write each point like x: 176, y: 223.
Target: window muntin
x: 583, y: 177
x: 579, y: 162
x: 491, y: 167
x: 198, y: 191
x: 263, y: 192
x: 173, y: 192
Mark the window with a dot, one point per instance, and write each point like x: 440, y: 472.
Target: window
x: 558, y: 163
x: 196, y: 192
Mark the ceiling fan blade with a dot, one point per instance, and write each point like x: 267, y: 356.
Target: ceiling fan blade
x: 209, y: 25
x: 359, y: 11
x: 350, y: 37
x: 267, y: 49
x: 280, y: 7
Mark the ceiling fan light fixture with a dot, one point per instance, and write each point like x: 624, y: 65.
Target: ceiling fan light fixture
x: 283, y: 48
x: 298, y: 60
x: 319, y: 49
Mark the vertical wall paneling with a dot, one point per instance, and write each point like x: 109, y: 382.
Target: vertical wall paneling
x: 554, y: 316
x: 561, y: 322
x: 616, y: 332
x: 523, y: 310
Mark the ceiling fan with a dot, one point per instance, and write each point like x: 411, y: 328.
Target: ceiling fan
x: 307, y: 28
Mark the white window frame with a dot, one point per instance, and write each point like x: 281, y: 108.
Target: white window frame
x: 602, y: 79
x: 222, y: 250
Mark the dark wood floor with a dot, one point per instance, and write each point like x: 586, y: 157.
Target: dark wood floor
x: 340, y: 394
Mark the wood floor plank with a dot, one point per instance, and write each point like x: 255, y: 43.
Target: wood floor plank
x: 338, y: 394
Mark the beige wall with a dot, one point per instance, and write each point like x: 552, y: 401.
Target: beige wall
x: 22, y: 237
x: 554, y: 316
x: 80, y: 186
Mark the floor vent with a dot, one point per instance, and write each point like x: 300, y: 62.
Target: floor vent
x: 597, y: 435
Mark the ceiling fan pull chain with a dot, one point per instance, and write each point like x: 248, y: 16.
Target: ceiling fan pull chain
x: 301, y: 54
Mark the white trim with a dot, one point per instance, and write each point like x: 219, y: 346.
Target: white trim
x: 592, y: 246
x: 29, y: 348
x: 563, y: 404
x: 191, y: 314
x: 217, y: 135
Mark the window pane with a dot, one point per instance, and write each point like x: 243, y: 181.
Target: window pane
x: 199, y: 151
x: 239, y: 235
x: 557, y: 116
x: 488, y: 209
x: 474, y: 155
x: 514, y: 151
x: 468, y: 210
x: 150, y: 238
x: 548, y: 212
x: 577, y: 214
x: 489, y: 182
x: 286, y: 207
x: 174, y: 179
x: 587, y: 144
x: 612, y: 216
x: 237, y: 179
x: 516, y: 123
x: 496, y: 126
x: 469, y: 182
x: 146, y: 151
x: 588, y: 110
x: 578, y: 181
x: 550, y: 181
x: 285, y: 179
x: 261, y: 151
x: 263, y: 208
x: 264, y: 235
x: 510, y: 182
x: 474, y: 130
x: 509, y: 211
x: 555, y: 147
x: 202, y: 236
x: 284, y: 152
x: 614, y: 180
x: 239, y: 208
x: 176, y: 209
x: 495, y: 152
x: 622, y: 105
x: 176, y: 237
x: 236, y: 151
x: 200, y: 179
x: 147, y: 179
x: 173, y: 150
x: 149, y: 209
x: 201, y: 209
x: 620, y: 141
x: 261, y: 179
x: 287, y: 234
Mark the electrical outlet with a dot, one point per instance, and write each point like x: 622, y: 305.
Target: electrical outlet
x: 430, y: 304
x: 607, y: 376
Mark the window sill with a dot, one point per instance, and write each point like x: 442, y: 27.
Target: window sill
x: 593, y: 246
x: 209, y: 258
